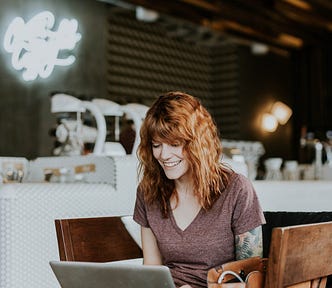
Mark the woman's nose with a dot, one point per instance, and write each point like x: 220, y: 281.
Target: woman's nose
x: 165, y: 151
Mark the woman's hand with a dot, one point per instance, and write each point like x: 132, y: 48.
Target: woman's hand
x: 185, y: 286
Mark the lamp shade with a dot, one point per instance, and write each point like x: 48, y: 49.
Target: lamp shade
x: 269, y: 122
x: 282, y: 112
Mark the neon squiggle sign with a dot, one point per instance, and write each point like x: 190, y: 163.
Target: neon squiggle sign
x: 35, y: 47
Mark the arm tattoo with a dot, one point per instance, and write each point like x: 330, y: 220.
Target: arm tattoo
x: 249, y: 244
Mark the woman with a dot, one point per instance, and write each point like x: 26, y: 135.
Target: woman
x: 195, y: 213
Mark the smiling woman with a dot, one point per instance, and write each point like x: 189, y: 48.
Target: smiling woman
x: 184, y: 188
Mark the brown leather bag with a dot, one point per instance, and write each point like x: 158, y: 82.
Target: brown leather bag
x: 246, y: 273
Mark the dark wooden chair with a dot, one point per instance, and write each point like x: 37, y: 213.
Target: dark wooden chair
x: 300, y: 256
x: 99, y: 239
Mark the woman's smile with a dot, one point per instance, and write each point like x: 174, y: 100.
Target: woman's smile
x: 170, y: 164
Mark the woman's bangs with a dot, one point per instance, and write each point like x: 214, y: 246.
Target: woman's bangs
x: 163, y: 132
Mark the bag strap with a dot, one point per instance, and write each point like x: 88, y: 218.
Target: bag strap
x: 241, y: 267
x: 223, y: 274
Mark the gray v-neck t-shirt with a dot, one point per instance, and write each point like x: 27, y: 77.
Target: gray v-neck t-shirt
x: 208, y: 241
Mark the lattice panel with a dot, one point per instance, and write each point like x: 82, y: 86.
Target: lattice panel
x: 146, y: 59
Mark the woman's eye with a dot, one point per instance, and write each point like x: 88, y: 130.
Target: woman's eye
x: 155, y: 145
x: 176, y: 145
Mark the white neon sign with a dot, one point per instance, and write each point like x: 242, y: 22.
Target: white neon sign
x: 35, y: 47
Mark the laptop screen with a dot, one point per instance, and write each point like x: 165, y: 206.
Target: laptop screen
x: 112, y: 274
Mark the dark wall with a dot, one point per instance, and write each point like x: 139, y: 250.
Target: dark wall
x: 312, y: 91
x: 265, y: 79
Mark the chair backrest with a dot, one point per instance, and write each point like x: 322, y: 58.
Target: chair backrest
x: 300, y: 255
x: 99, y: 239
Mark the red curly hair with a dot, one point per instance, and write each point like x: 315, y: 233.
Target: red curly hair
x: 181, y: 118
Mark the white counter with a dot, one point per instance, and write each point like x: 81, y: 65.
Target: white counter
x: 27, y: 231
x: 27, y: 213
x: 309, y: 196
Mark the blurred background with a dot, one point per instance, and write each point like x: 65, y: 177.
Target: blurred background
x: 239, y: 58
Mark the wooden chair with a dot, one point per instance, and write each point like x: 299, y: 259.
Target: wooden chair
x: 100, y: 239
x: 300, y: 256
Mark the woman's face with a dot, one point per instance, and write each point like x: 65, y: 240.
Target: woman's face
x: 171, y: 159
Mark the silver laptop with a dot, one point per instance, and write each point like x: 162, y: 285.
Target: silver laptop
x: 108, y: 275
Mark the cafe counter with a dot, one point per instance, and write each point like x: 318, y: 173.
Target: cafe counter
x: 28, y: 210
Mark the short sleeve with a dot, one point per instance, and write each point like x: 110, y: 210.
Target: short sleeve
x: 247, y: 213
x: 140, y: 210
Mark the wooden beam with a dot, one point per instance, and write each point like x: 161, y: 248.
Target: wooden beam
x: 256, y: 19
x: 305, y: 17
x: 234, y: 28
x: 324, y: 4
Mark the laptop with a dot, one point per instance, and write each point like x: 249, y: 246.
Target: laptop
x: 71, y: 274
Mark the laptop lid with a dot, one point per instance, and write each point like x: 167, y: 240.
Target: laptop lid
x: 72, y: 274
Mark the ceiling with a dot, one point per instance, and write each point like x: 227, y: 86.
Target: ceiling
x: 284, y: 25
